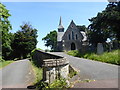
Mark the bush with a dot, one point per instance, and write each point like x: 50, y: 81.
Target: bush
x: 74, y: 53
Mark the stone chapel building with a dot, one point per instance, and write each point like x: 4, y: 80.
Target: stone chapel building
x: 71, y: 39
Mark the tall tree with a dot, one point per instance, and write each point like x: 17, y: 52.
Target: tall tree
x: 25, y: 40
x: 5, y: 26
x: 51, y: 40
x: 106, y: 24
x: 82, y: 28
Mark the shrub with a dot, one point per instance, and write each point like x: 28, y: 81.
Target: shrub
x: 74, y: 53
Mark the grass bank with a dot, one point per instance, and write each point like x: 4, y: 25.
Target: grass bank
x: 5, y: 63
x: 38, y: 73
x: 107, y: 57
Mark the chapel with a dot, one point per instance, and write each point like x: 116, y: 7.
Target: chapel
x: 71, y: 39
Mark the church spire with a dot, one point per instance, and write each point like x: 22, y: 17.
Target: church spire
x: 60, y: 23
x: 60, y: 27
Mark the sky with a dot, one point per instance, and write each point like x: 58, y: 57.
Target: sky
x: 45, y: 16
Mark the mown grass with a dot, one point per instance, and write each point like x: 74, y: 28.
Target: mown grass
x: 107, y: 57
x: 5, y: 63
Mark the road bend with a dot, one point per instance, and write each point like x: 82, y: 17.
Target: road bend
x: 105, y: 75
x: 18, y: 74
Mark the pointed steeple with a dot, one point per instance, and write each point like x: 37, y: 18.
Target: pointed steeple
x: 60, y: 27
x: 60, y: 23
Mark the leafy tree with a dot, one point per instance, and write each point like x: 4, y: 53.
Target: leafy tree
x: 5, y: 26
x: 25, y: 40
x: 82, y: 28
x: 105, y: 24
x: 51, y: 40
x: 112, y: 21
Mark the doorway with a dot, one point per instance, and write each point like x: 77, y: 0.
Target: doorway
x: 73, y: 47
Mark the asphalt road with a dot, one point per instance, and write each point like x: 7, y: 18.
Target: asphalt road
x: 93, y: 70
x: 17, y: 75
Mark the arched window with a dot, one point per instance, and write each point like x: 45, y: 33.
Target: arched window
x: 69, y: 36
x: 76, y: 37
x: 72, y: 35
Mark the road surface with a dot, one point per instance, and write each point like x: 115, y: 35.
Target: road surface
x: 17, y: 75
x: 103, y: 73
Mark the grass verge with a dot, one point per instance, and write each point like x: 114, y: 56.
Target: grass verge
x: 107, y: 57
x: 5, y: 63
x: 38, y: 73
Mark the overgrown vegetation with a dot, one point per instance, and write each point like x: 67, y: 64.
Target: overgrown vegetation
x: 61, y: 83
x: 58, y: 84
x: 38, y: 73
x: 72, y: 72
x: 40, y: 85
x: 107, y: 57
x: 5, y: 63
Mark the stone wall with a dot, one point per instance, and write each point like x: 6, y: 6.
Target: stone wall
x: 54, y: 66
x: 39, y: 56
x: 54, y: 69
